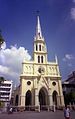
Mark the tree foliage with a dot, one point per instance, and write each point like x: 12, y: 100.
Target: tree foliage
x: 1, y: 104
x: 1, y: 40
x: 1, y: 79
x: 70, y: 97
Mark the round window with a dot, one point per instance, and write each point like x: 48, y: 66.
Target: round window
x: 53, y: 83
x: 28, y: 82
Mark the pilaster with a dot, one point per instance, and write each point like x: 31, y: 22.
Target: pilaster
x: 36, y: 93
x: 36, y: 97
x: 49, y: 93
x: 22, y: 100
x: 50, y: 97
x: 60, y: 93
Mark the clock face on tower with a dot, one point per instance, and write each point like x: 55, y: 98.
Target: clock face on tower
x: 41, y: 70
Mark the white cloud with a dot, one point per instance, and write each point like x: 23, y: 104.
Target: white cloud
x: 11, y: 62
x: 73, y: 13
x: 69, y: 64
x: 68, y: 57
x: 7, y: 70
x: 73, y: 0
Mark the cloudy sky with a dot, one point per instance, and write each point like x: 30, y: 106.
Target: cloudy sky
x: 18, y: 24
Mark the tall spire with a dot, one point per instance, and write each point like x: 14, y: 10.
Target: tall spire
x: 38, y: 29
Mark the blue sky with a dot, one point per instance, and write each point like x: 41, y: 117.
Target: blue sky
x: 18, y: 25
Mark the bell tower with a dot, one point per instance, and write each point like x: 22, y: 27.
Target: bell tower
x: 40, y: 50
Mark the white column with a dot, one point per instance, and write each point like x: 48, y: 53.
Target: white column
x: 19, y: 102
x: 61, y: 93
x: 22, y: 100
x: 58, y: 101
x: 62, y: 100
x: 50, y: 98
x: 36, y: 98
x: 36, y: 93
x: 35, y: 83
x: 49, y: 93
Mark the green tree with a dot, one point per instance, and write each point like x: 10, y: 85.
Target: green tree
x: 1, y: 40
x: 1, y: 104
x: 70, y: 97
x: 1, y: 79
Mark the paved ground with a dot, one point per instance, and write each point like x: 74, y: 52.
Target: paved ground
x: 36, y: 115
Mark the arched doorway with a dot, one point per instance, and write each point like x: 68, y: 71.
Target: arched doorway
x: 55, y: 97
x: 16, y: 100
x: 28, y: 98
x: 43, y: 97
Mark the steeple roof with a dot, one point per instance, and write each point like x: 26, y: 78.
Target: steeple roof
x: 38, y: 29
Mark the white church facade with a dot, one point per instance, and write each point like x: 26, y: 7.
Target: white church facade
x: 40, y: 80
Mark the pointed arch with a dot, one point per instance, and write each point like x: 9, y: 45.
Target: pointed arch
x: 28, y: 98
x: 54, y: 95
x: 43, y: 96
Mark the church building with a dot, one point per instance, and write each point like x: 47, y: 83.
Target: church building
x: 40, y: 80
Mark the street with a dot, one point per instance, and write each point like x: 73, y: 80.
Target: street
x: 36, y: 115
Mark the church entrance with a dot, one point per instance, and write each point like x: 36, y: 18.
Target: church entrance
x: 55, y: 97
x: 43, y: 98
x: 28, y: 99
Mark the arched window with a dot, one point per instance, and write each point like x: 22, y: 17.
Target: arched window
x: 41, y: 59
x: 38, y: 59
x: 39, y: 47
x: 36, y: 47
